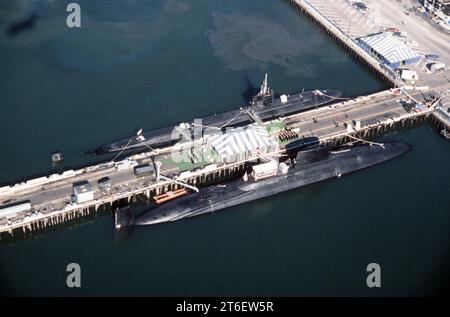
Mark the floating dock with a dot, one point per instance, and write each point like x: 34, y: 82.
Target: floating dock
x: 53, y: 200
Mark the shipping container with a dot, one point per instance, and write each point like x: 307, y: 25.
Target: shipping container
x: 104, y: 183
x: 143, y: 170
x: 11, y: 210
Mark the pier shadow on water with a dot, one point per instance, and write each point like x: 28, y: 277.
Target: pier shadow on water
x: 18, y: 235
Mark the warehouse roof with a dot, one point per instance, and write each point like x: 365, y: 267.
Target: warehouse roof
x: 389, y: 47
x: 241, y: 140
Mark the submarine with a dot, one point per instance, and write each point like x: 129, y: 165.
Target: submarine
x: 306, y: 163
x: 263, y: 107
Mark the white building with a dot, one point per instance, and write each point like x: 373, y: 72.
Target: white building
x: 264, y: 170
x: 83, y: 192
x: 243, y: 143
x: 409, y: 75
x: 389, y: 49
x: 11, y: 211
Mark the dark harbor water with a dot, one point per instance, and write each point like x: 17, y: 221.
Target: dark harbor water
x: 144, y: 64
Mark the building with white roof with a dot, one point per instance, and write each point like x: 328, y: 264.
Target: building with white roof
x: 83, y: 192
x: 11, y: 211
x: 242, y: 143
x: 389, y: 49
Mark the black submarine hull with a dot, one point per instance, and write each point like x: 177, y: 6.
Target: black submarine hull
x: 215, y: 198
x: 169, y: 135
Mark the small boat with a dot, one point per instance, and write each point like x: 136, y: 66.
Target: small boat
x: 169, y: 195
x: 445, y: 134
x: 57, y: 157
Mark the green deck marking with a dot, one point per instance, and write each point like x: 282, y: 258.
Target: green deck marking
x: 208, y: 157
x: 275, y: 126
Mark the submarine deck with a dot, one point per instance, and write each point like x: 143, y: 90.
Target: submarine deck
x: 296, y: 103
x: 214, y: 198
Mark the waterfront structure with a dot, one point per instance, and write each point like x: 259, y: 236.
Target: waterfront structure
x: 12, y: 210
x: 345, y: 120
x: 82, y: 192
x: 243, y: 143
x: 389, y: 49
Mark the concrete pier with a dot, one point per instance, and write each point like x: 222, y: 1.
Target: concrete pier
x: 375, y: 114
x: 345, y: 40
x: 342, y: 121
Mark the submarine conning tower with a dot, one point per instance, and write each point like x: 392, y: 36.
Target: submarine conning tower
x: 265, y: 96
